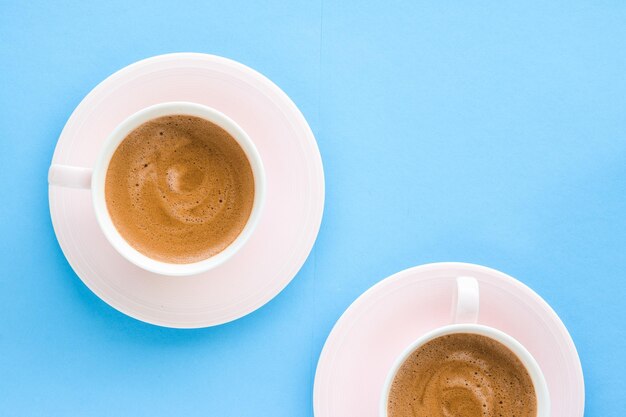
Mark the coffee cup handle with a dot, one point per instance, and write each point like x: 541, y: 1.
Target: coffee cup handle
x: 69, y: 176
x: 466, y: 302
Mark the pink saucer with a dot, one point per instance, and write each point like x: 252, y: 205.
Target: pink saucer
x: 288, y: 225
x: 383, y: 321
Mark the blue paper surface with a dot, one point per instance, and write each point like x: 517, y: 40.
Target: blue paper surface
x: 485, y: 132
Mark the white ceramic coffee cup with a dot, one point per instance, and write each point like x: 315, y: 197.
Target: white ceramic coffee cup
x: 464, y: 317
x: 94, y: 179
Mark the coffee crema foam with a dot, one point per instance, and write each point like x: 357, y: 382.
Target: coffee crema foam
x: 462, y: 375
x: 179, y: 189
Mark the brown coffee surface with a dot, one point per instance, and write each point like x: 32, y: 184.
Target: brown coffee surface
x: 179, y: 189
x: 462, y: 375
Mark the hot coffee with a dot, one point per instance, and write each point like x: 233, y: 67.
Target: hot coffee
x: 462, y: 375
x: 179, y: 189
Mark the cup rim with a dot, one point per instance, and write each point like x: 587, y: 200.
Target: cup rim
x: 529, y: 362
x: 99, y: 179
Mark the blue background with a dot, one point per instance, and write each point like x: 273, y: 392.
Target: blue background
x: 487, y: 132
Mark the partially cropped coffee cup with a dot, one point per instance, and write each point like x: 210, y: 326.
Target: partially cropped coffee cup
x: 177, y: 188
x: 465, y: 370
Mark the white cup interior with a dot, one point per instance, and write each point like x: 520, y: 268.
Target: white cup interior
x: 531, y: 365
x: 102, y: 164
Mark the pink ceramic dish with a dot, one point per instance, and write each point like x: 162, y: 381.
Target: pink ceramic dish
x: 287, y: 227
x: 381, y: 323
